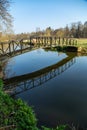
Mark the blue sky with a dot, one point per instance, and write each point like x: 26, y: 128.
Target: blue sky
x: 31, y: 14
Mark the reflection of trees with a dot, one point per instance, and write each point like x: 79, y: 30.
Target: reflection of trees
x: 7, y: 68
x: 3, y: 62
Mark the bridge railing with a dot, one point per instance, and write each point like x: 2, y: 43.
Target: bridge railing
x: 53, y: 41
x: 12, y: 47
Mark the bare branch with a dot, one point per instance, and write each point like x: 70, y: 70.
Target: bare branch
x: 5, y: 17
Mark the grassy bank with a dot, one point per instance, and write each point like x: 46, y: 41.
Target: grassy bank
x: 82, y: 42
x: 17, y: 115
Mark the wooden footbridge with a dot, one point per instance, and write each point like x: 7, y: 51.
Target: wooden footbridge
x: 13, y: 48
x: 19, y: 84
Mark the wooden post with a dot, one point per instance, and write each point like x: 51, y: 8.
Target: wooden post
x: 50, y: 41
x: 47, y: 41
x: 39, y: 42
x: 55, y: 40
x: 36, y: 40
x: 76, y: 42
x: 73, y: 42
x: 30, y: 42
x: 69, y: 41
x: 13, y: 46
x: 59, y: 40
x: 9, y: 47
x: 63, y: 41
x: 21, y: 46
x: 44, y: 41
x: 2, y: 47
x: 66, y: 41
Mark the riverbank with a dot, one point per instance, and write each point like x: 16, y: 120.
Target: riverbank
x: 16, y: 114
x: 72, y: 49
x: 57, y: 94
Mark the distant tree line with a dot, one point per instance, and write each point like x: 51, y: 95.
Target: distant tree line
x: 75, y: 30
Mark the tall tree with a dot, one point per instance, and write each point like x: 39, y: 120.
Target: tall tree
x: 48, y: 31
x: 5, y: 17
x: 73, y: 29
x: 66, y: 31
x: 85, y: 30
x: 79, y: 30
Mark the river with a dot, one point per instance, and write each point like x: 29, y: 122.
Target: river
x: 58, y: 92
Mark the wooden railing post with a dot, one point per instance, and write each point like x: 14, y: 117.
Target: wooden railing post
x: 59, y: 40
x: 50, y: 41
x: 2, y: 47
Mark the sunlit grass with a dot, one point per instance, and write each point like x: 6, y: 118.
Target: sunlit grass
x: 82, y: 42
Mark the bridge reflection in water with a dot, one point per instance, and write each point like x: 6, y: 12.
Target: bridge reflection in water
x: 19, y: 84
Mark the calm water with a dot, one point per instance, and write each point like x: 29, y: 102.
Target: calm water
x: 62, y: 96
x: 32, y: 61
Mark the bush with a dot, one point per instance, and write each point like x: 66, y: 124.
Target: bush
x: 18, y: 114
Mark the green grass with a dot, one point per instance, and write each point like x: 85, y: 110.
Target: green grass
x: 82, y: 42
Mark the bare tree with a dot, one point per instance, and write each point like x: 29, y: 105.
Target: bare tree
x: 5, y: 17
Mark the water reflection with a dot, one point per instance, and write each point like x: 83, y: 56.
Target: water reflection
x: 61, y: 97
x: 31, y: 62
x: 22, y: 83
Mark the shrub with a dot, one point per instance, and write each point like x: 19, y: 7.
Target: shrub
x: 18, y: 114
